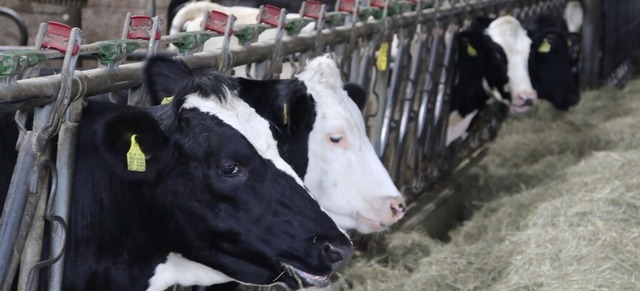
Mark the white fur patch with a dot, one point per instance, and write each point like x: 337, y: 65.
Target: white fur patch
x: 573, y: 15
x: 507, y: 32
x: 181, y: 271
x: 458, y: 125
x: 493, y: 92
x: 178, y: 270
x: 245, y: 120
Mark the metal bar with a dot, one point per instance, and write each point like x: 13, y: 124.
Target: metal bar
x: 14, y: 208
x: 591, y: 48
x: 33, y: 246
x: 65, y: 165
x: 38, y: 92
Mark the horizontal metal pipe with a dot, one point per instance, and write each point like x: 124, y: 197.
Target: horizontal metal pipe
x: 41, y: 90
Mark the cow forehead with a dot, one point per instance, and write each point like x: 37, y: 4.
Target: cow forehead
x: 322, y: 79
x: 243, y: 118
x: 507, y: 32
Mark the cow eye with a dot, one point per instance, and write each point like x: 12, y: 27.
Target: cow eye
x: 335, y: 138
x: 230, y: 170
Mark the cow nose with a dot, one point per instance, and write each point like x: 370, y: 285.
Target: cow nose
x: 526, y: 98
x: 528, y: 102
x: 337, y: 256
x: 398, y: 208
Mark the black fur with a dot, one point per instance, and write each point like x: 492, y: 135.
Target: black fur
x: 554, y: 74
x: 357, y: 94
x: 290, y: 127
x: 191, y: 200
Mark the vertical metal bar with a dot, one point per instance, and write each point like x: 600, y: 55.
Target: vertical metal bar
x: 33, y: 246
x: 151, y: 7
x: 14, y: 209
x: 417, y: 66
x: 65, y: 165
x: 591, y: 49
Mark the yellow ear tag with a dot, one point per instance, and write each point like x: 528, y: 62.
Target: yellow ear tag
x: 166, y: 100
x: 545, y: 47
x: 382, y: 61
x: 285, y: 117
x: 136, y: 161
x: 471, y: 51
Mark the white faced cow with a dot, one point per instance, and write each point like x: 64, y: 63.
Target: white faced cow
x: 214, y: 201
x: 321, y: 133
x: 492, y: 62
x: 344, y: 171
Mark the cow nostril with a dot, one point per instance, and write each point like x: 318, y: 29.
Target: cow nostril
x: 334, y: 254
x: 528, y: 102
x: 398, y: 209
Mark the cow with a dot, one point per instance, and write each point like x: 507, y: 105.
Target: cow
x: 321, y: 134
x: 208, y: 201
x: 492, y: 62
x: 551, y: 64
x: 332, y: 151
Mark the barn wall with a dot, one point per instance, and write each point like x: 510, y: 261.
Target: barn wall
x: 99, y: 19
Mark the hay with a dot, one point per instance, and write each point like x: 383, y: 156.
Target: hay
x: 560, y: 197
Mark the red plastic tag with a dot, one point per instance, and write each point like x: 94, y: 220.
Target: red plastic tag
x: 217, y: 22
x: 312, y: 9
x: 377, y: 3
x: 140, y: 27
x: 57, y: 37
x: 347, y: 6
x: 271, y: 15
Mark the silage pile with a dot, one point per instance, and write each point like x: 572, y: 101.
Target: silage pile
x: 560, y: 209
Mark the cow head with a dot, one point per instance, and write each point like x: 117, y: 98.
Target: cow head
x: 245, y: 213
x: 505, y: 64
x: 551, y: 64
x: 344, y: 173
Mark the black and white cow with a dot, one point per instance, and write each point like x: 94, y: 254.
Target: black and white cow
x: 214, y: 203
x: 492, y: 62
x: 552, y: 66
x: 321, y: 133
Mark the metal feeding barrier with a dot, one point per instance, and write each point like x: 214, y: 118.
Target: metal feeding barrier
x: 402, y: 52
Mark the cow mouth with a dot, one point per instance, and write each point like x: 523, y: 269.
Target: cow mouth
x: 519, y: 109
x: 373, y: 224
x: 305, y: 279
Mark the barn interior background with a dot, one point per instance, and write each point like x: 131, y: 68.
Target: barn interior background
x: 406, y: 122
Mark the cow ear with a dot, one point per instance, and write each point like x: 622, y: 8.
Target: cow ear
x: 357, y: 94
x: 467, y: 43
x: 163, y: 77
x: 293, y: 106
x: 134, y: 144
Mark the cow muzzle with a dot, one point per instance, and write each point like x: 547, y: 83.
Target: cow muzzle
x: 523, y: 101
x: 393, y: 209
